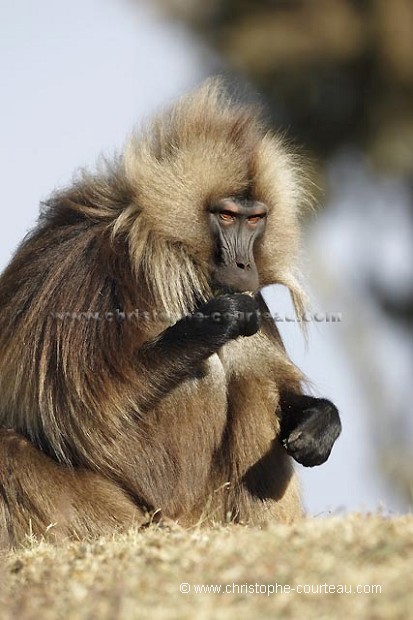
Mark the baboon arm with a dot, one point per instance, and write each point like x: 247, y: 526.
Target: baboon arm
x: 178, y: 352
x: 309, y: 426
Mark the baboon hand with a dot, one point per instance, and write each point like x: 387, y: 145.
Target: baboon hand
x: 235, y: 314
x: 309, y: 434
x: 179, y: 350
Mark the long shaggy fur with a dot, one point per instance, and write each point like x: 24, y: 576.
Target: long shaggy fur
x: 130, y: 244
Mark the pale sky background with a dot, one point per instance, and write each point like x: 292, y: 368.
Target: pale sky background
x: 76, y: 77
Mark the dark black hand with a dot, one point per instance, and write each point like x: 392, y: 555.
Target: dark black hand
x: 226, y: 317
x: 309, y: 428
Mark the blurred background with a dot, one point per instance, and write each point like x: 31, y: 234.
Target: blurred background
x: 337, y: 76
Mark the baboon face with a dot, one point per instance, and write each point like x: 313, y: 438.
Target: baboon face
x: 236, y: 226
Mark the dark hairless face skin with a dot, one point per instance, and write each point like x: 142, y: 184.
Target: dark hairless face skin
x: 236, y: 225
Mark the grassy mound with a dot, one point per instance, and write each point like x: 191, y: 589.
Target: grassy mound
x: 347, y: 567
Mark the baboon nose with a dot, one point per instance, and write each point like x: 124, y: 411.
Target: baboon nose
x: 243, y: 265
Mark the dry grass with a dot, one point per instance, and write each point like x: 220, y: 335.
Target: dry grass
x: 137, y: 575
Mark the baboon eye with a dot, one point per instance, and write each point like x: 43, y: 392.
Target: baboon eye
x: 227, y: 216
x: 254, y: 219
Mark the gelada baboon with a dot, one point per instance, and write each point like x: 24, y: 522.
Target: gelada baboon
x: 139, y: 371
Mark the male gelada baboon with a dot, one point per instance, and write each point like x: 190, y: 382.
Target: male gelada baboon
x: 140, y: 373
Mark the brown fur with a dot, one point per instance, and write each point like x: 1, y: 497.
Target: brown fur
x: 134, y: 236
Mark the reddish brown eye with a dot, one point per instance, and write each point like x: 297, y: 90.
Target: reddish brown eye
x: 254, y: 219
x: 227, y: 217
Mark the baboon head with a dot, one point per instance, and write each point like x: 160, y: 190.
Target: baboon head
x: 209, y: 179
